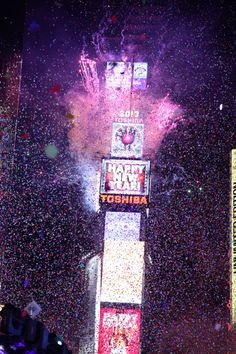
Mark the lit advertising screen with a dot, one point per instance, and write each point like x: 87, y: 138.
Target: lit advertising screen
x: 122, y: 275
x: 125, y: 177
x: 127, y: 140
x: 126, y: 75
x: 119, y: 331
x: 233, y: 238
x: 140, y: 76
x: 118, y: 75
x: 122, y: 226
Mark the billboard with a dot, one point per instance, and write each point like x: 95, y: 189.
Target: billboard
x: 124, y: 181
x: 118, y: 75
x: 127, y: 140
x: 119, y: 331
x: 122, y: 272
x: 122, y: 226
x: 126, y: 75
x: 140, y: 76
x: 233, y: 238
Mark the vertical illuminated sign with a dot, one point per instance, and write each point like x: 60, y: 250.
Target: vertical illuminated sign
x: 140, y: 76
x: 233, y: 237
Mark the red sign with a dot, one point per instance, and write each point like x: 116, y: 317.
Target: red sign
x: 119, y: 331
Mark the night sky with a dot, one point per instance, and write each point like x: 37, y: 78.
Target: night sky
x: 50, y: 225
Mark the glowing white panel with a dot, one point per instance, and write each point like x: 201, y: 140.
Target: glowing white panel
x: 122, y: 276
x: 126, y: 75
x: 140, y: 76
x: 127, y: 140
x: 118, y: 75
x: 128, y: 177
x: 122, y: 226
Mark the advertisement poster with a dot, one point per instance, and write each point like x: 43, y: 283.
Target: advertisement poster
x: 118, y: 75
x: 122, y: 226
x: 122, y: 272
x: 126, y: 75
x: 119, y: 331
x: 126, y: 177
x: 127, y: 140
x: 140, y: 76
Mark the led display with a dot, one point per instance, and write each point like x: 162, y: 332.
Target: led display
x: 119, y: 331
x: 118, y: 75
x: 122, y: 226
x: 122, y: 276
x: 127, y: 140
x: 140, y: 76
x: 127, y: 177
x: 126, y: 75
x: 233, y: 237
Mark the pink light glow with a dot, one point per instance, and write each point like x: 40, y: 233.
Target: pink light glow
x: 90, y: 137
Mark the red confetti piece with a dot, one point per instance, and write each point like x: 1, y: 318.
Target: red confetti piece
x: 144, y: 36
x: 24, y: 136
x: 56, y: 88
x: 114, y: 18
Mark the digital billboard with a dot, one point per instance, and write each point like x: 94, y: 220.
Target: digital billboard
x: 127, y: 140
x: 126, y: 75
x: 119, y: 331
x: 122, y: 226
x: 233, y: 238
x: 140, y: 76
x: 124, y: 181
x: 122, y: 275
x: 118, y: 75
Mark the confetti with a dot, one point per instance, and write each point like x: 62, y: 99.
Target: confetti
x: 56, y: 88
x: 114, y: 19
x: 51, y: 151
x: 24, y: 136
x: 52, y: 170
x: 26, y: 283
x: 33, y: 27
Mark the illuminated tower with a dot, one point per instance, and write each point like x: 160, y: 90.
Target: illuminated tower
x: 116, y: 276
